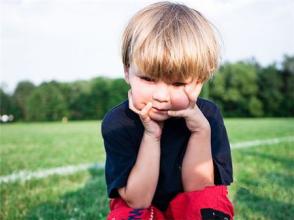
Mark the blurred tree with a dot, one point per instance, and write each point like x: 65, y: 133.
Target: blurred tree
x: 234, y: 87
x: 20, y: 96
x: 288, y: 64
x: 118, y: 92
x: 76, y: 94
x: 47, y: 103
x: 205, y: 91
x: 287, y: 106
x: 270, y: 84
x: 5, y: 103
x: 98, y: 99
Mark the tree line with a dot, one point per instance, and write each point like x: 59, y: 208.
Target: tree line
x: 240, y: 89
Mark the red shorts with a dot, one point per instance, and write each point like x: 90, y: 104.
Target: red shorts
x: 207, y: 204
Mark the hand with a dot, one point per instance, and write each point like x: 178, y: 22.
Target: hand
x: 195, y: 120
x: 152, y: 128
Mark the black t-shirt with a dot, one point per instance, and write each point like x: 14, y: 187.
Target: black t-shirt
x: 122, y: 131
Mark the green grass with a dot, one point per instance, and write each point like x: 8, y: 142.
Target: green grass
x: 263, y: 186
x: 42, y: 145
x: 259, y: 128
x: 78, y: 196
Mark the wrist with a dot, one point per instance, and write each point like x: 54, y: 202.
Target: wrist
x: 204, y: 129
x: 151, y: 136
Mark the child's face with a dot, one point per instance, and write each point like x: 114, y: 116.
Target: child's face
x: 163, y: 96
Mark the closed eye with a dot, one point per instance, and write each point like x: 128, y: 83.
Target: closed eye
x: 147, y: 79
x: 179, y: 84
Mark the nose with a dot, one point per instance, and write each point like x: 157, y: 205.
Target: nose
x: 161, y: 92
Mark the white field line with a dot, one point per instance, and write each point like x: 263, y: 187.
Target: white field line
x: 66, y: 170
x: 262, y: 142
x: 26, y: 175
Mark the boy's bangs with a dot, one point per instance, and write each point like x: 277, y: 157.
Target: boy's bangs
x: 164, y: 69
x: 175, y: 60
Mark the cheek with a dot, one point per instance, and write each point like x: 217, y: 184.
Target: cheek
x: 137, y: 100
x: 140, y: 97
x: 179, y: 100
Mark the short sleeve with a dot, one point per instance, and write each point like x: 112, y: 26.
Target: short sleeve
x: 221, y: 152
x: 120, y: 156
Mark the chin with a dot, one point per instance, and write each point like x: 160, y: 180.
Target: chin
x: 158, y: 117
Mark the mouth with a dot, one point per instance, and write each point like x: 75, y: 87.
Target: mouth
x: 160, y: 110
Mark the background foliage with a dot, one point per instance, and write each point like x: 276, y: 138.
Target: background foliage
x: 241, y: 89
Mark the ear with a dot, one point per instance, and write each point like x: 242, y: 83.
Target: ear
x: 126, y: 72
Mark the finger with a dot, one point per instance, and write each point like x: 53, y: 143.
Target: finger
x: 192, y: 91
x: 192, y: 96
x: 131, y: 105
x: 180, y: 113
x: 145, y: 110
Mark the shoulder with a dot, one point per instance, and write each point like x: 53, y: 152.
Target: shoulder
x: 207, y: 106
x: 210, y: 110
x: 118, y: 118
x: 116, y: 112
x: 114, y: 116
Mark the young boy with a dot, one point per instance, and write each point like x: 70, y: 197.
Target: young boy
x: 167, y: 151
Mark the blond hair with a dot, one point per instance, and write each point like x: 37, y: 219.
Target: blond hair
x: 171, y: 41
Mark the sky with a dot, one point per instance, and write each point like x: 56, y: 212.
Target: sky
x: 67, y: 40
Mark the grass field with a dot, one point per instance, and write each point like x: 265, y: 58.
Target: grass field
x: 263, y: 186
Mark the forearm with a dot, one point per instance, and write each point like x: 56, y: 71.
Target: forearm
x: 143, y: 177
x: 197, y: 166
